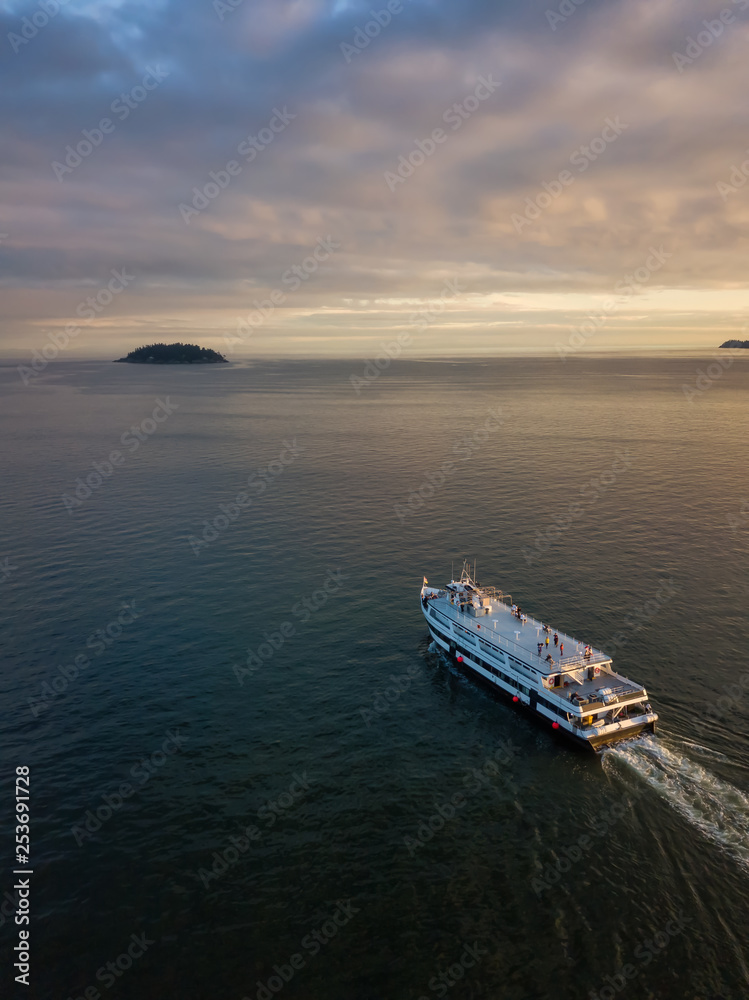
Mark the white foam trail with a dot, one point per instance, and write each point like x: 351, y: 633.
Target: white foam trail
x: 717, y: 808
x: 707, y: 751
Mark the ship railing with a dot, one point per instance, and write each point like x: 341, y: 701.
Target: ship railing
x: 493, y: 638
x: 575, y: 659
x: 491, y: 592
x: 580, y: 660
x: 594, y: 701
x: 622, y: 692
x: 566, y: 665
x: 495, y: 595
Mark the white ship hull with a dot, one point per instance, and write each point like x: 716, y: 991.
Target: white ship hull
x: 578, y: 695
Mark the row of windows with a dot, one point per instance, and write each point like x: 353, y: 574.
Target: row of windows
x: 491, y: 669
x: 503, y: 677
x: 511, y: 682
x: 465, y: 634
x: 552, y: 708
x: 521, y: 666
x: 486, y: 646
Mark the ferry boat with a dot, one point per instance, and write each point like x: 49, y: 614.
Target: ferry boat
x: 569, y: 685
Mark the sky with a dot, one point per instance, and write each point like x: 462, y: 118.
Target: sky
x: 342, y: 178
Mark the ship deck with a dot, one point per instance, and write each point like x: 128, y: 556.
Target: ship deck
x: 504, y: 628
x: 520, y: 638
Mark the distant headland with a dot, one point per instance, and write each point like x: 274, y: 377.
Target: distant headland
x: 736, y: 343
x: 173, y: 354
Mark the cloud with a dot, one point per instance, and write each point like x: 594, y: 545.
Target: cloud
x: 225, y: 77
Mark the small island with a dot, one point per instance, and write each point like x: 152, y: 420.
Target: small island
x: 736, y: 343
x: 173, y: 354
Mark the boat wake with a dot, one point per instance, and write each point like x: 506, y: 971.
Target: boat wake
x: 717, y: 808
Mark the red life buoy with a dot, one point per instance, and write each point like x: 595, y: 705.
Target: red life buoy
x: 555, y: 725
x: 459, y: 659
x: 515, y: 698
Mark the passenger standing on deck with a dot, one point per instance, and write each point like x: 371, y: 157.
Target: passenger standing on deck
x: 540, y: 647
x: 547, y: 642
x: 556, y: 639
x: 561, y: 649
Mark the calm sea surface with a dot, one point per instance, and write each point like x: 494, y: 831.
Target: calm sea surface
x: 249, y: 767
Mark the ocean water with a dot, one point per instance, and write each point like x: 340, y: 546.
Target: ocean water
x: 247, y: 763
